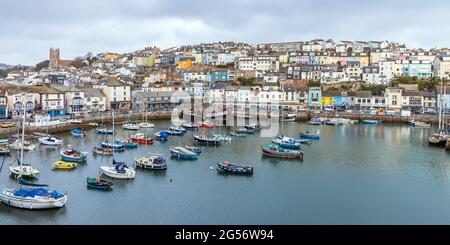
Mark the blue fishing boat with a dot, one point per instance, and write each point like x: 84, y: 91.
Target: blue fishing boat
x: 78, y: 133
x: 129, y: 144
x: 104, y: 131
x: 370, y: 122
x: 309, y: 135
x: 183, y: 153
x: 288, y: 144
x: 162, y: 136
x: 118, y: 146
x: 301, y: 141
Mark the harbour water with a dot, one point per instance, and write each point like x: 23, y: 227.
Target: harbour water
x: 355, y: 174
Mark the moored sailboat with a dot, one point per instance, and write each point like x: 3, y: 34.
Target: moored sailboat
x: 35, y: 196
x: 23, y: 169
x: 118, y: 170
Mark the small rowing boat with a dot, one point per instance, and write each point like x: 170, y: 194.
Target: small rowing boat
x: 279, y: 152
x: 234, y: 169
x: 100, y: 184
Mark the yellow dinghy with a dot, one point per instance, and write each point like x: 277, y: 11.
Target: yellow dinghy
x: 64, y: 165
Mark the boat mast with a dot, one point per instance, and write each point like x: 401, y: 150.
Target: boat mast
x: 23, y: 130
x: 440, y: 109
x: 443, y: 107
x: 114, y: 134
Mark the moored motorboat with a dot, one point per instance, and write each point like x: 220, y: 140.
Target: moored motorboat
x: 75, y: 121
x: 234, y: 169
x: 141, y: 139
x: 245, y: 131
x: 331, y: 122
x: 316, y: 121
x: 418, y: 124
x: 78, y: 133
x: 289, y: 139
x: 3, y: 141
x: 72, y: 155
x: 146, y: 125
x: 183, y: 153
x: 206, y: 124
x: 105, y: 131
x: 50, y: 141
x: 193, y: 149
x: 64, y: 165
x: 238, y: 134
x: 130, y: 126
x: 309, y: 135
x: 253, y: 127
x: 98, y: 183
x: 102, y: 151
x: 222, y: 138
x: 129, y: 143
x: 288, y: 144
x: 26, y: 145
x: 118, y: 146
x: 4, y: 150
x: 204, y: 139
x: 189, y: 126
x: 162, y: 136
x: 176, y: 131
x: 277, y: 151
x: 151, y: 162
x: 290, y: 118
x: 370, y: 122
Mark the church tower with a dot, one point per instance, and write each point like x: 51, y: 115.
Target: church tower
x: 54, y: 58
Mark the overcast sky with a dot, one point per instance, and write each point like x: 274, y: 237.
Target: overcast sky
x: 29, y: 28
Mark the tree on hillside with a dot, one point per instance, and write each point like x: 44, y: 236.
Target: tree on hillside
x: 313, y: 83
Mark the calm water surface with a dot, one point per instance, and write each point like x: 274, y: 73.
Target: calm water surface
x: 355, y: 174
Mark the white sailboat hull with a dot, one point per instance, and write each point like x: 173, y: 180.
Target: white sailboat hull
x: 25, y: 171
x: 37, y: 202
x: 146, y: 125
x: 18, y: 146
x: 111, y: 172
x: 55, y: 142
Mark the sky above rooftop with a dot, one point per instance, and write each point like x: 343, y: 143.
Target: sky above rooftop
x: 29, y: 28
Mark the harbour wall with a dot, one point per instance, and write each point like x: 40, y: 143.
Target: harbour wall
x: 67, y: 126
x: 382, y: 118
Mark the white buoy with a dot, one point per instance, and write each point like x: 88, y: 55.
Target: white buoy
x: 211, y: 168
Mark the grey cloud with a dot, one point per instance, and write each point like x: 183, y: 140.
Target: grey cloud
x: 29, y: 28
